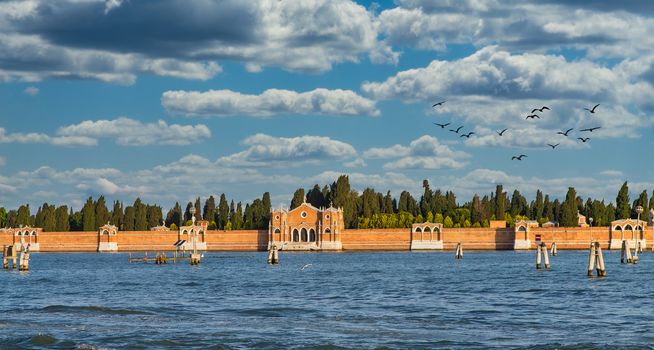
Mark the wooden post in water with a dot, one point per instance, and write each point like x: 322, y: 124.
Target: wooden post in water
x: 630, y: 259
x: 273, y: 255
x: 546, y: 257
x: 623, y: 253
x: 24, y: 261
x: 459, y: 251
x: 634, y: 258
x: 538, y: 264
x: 5, y: 258
x: 591, y: 259
x: 553, y: 248
x: 601, y: 269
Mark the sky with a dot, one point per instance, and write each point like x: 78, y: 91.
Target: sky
x: 171, y: 100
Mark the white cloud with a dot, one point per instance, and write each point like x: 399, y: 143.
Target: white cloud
x: 43, y: 138
x: 270, y: 102
x: 265, y: 150
x: 132, y: 132
x: 612, y: 173
x: 108, y: 187
x: 425, y: 152
x: 493, y: 89
x: 31, y: 90
x: 355, y: 163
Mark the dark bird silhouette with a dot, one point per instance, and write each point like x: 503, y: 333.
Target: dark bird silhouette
x: 592, y: 110
x: 591, y: 129
x: 442, y: 125
x: 583, y: 139
x: 438, y: 104
x: 502, y: 132
x: 467, y: 135
x: 457, y: 129
x: 540, y: 109
x: 564, y: 133
x: 553, y: 146
x: 518, y: 157
x: 532, y: 116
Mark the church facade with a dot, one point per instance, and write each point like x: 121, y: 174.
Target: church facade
x: 306, y: 228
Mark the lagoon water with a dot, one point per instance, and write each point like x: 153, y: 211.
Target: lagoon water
x: 343, y: 300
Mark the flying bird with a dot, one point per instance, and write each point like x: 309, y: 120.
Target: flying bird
x: 564, y: 133
x: 304, y: 267
x: 583, y: 139
x: 540, y: 109
x: 438, y: 104
x: 457, y: 129
x: 532, y: 116
x: 467, y: 135
x: 592, y: 110
x: 518, y: 157
x: 502, y: 132
x: 442, y: 125
x: 591, y: 129
x: 553, y: 146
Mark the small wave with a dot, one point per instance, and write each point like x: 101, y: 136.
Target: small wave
x: 93, y: 309
x: 43, y: 340
x: 191, y: 284
x: 273, y: 311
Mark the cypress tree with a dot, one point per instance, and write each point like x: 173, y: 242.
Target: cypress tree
x: 223, y: 212
x: 426, y: 199
x: 316, y: 198
x: 117, y: 215
x: 622, y: 209
x: 237, y: 218
x: 518, y: 204
x: 389, y: 205
x: 130, y: 218
x: 50, y: 220
x: 62, y: 219
x: 370, y: 203
x: 209, y: 210
x: 298, y: 198
x: 101, y: 213
x: 548, y: 208
x: 198, y: 209
x: 569, y: 209
x: 154, y: 215
x: 140, y: 215
x: 187, y: 213
x: 476, y: 210
x: 643, y: 202
x: 3, y: 217
x: 174, y: 216
x: 266, y: 208
x: 539, y: 206
x: 88, y: 216
x: 12, y: 218
x: 343, y: 197
x: 232, y: 210
x: 500, y: 203
x: 23, y: 215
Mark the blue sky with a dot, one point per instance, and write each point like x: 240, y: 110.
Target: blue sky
x: 202, y: 98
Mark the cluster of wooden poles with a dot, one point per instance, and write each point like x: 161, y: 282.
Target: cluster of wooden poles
x: 9, y: 254
x: 161, y: 258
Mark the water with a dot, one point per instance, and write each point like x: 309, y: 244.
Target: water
x: 343, y: 300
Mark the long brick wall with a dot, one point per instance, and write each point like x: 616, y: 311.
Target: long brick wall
x: 352, y: 240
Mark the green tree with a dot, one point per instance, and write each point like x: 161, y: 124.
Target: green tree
x: 62, y: 223
x: 209, y: 210
x: 117, y: 215
x: 539, y: 206
x: 3, y: 217
x: 88, y: 216
x: 518, y: 204
x: 622, y: 202
x: 448, y: 223
x: 500, y: 202
x: 298, y: 198
x: 198, y: 209
x: 174, y: 215
x: 569, y: 209
x: 265, y: 210
x: 426, y: 199
x: 101, y: 213
x: 140, y: 215
x: 223, y: 212
x: 130, y: 218
x: 316, y: 197
x: 643, y: 202
x: 50, y: 220
x: 344, y: 197
x: 154, y: 215
x: 237, y: 218
x: 12, y: 218
x: 476, y: 211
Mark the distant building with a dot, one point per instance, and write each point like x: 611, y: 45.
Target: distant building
x: 581, y: 220
x: 550, y: 224
x: 306, y: 228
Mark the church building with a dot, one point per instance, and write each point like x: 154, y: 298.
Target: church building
x: 306, y: 228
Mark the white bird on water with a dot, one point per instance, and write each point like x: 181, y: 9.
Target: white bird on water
x: 305, y: 266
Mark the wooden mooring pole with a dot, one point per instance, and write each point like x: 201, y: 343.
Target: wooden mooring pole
x: 273, y: 255
x: 459, y: 251
x: 553, y: 248
x: 596, y: 260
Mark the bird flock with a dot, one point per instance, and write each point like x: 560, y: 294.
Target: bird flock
x: 532, y: 115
